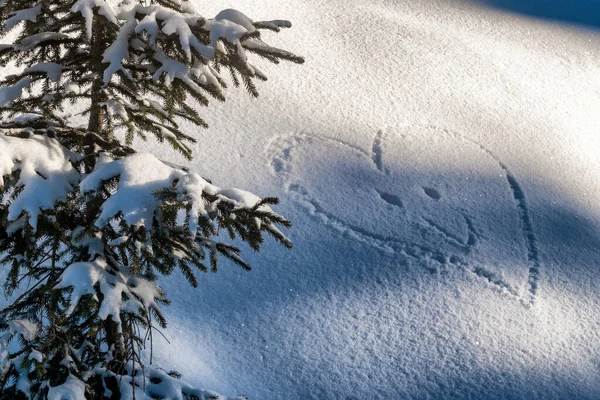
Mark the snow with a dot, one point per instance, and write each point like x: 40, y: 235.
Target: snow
x: 27, y: 117
x: 236, y: 17
x: 150, y: 26
x: 71, y: 389
x: 173, y: 69
x: 406, y: 118
x: 86, y: 8
x: 134, y: 200
x: 134, y: 197
x: 115, y: 286
x: 118, y: 51
x: 159, y: 384
x: 28, y: 14
x: 11, y: 93
x: 173, y: 23
x: 226, y: 29
x: 37, y: 356
x: 439, y: 161
x: 71, y: 87
x: 229, y: 25
x: 4, y: 356
x: 177, y: 25
x: 116, y: 109
x: 31, y: 41
x: 82, y: 277
x: 242, y: 198
x: 24, y: 328
x: 53, y: 70
x: 23, y: 382
x: 157, y: 106
x: 45, y: 167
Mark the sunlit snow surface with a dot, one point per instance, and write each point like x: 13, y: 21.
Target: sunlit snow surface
x: 440, y: 161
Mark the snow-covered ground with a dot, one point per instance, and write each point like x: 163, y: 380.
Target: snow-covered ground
x: 441, y: 163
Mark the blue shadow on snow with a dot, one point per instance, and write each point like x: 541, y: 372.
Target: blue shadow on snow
x: 579, y: 12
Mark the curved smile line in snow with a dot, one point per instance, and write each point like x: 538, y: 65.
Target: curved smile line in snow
x: 280, y: 152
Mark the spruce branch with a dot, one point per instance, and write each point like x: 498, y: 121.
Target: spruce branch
x: 82, y: 257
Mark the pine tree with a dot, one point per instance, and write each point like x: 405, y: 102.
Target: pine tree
x: 87, y: 223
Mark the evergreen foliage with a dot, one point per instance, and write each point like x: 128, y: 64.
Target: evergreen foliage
x: 82, y: 257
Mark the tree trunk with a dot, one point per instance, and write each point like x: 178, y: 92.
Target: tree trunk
x: 96, y: 122
x: 100, y: 41
x: 114, y: 339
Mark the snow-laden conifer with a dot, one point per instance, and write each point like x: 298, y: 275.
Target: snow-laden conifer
x: 87, y: 224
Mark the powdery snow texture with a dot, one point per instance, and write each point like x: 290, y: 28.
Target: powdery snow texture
x: 439, y: 161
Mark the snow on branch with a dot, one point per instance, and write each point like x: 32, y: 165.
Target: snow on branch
x: 29, y: 14
x: 44, y: 166
x: 40, y: 164
x: 26, y: 329
x: 72, y: 388
x: 142, y: 175
x: 34, y: 40
x: 153, y: 20
x: 155, y: 383
x: 11, y: 93
x: 86, y: 8
x: 122, y: 291
x: 51, y: 69
x: 118, y: 51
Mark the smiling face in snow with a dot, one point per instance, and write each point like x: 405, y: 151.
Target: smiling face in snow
x: 446, y: 198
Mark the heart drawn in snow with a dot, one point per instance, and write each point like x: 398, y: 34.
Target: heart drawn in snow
x: 423, y: 191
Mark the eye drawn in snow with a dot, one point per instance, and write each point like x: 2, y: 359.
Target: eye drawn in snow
x: 424, y: 192
x: 434, y: 194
